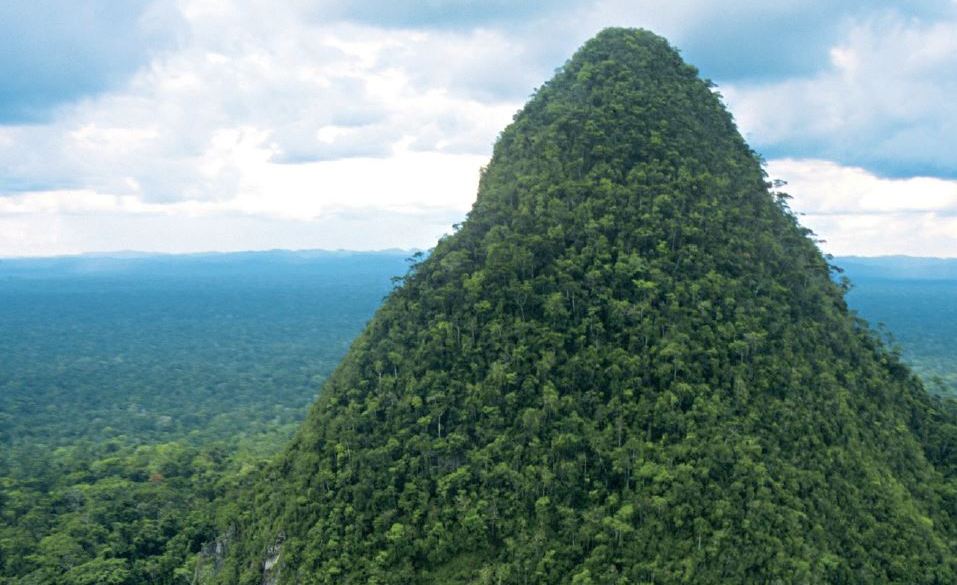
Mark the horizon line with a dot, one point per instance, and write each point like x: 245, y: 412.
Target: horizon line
x: 138, y: 254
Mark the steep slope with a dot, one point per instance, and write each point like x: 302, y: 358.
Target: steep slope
x: 630, y: 364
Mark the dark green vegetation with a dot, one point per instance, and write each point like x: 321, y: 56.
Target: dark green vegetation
x: 135, y: 393
x: 92, y: 491
x: 916, y: 298
x: 629, y: 365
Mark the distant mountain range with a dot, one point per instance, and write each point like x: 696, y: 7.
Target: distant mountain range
x: 202, y: 265
x: 125, y: 261
x: 898, y: 267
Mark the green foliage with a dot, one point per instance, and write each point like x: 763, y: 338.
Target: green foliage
x: 629, y: 365
x: 131, y: 404
x: 119, y: 515
x: 223, y: 349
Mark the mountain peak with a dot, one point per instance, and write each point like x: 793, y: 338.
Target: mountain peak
x: 632, y: 47
x: 630, y: 364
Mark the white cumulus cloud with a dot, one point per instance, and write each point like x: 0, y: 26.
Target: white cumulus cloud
x: 857, y: 212
x: 884, y: 101
x: 250, y: 124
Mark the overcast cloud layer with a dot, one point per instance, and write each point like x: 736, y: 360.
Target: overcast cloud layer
x: 187, y: 125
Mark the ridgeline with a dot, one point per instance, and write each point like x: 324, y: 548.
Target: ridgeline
x: 629, y: 365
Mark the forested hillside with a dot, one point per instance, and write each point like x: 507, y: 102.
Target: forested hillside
x: 629, y: 365
x: 135, y: 392
x: 73, y: 449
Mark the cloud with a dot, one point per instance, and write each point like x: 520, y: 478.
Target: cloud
x: 857, y: 212
x: 438, y: 14
x: 252, y: 113
x: 753, y: 40
x: 355, y: 204
x: 54, y: 52
x: 884, y: 103
x: 746, y: 39
x: 185, y: 127
x: 55, y: 235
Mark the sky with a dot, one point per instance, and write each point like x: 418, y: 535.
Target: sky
x: 221, y: 125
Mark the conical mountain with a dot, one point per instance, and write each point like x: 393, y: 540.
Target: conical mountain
x: 629, y: 365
